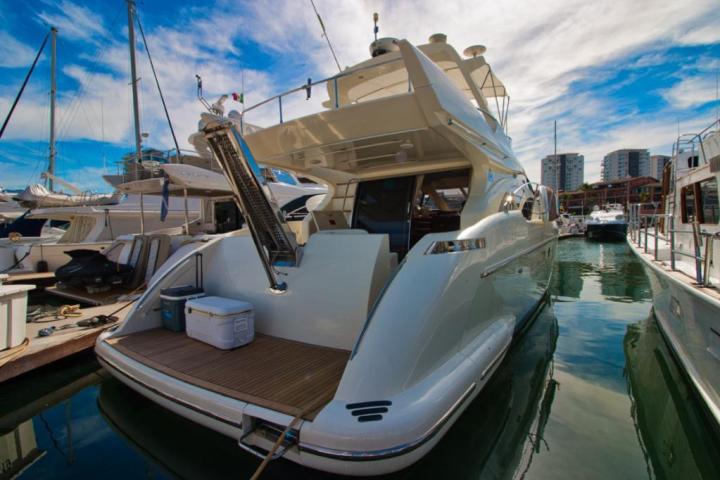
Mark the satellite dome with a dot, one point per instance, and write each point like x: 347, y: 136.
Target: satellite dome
x: 384, y: 45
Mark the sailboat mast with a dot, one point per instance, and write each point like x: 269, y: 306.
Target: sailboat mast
x: 53, y: 92
x: 555, y: 158
x: 134, y: 79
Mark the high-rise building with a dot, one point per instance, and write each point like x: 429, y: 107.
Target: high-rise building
x: 657, y: 165
x: 628, y: 162
x: 563, y: 172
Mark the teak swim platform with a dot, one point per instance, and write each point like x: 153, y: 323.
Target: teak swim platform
x: 281, y: 374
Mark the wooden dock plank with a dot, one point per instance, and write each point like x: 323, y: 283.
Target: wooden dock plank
x: 284, y: 375
x: 43, y: 350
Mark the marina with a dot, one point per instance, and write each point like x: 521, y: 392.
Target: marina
x: 301, y: 250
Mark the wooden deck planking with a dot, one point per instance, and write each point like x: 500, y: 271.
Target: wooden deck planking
x: 291, y: 377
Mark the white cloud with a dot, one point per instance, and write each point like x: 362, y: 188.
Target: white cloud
x: 74, y: 21
x: 691, y: 92
x: 13, y: 53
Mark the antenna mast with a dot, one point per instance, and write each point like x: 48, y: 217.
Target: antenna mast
x: 376, y: 29
x: 322, y: 26
x: 133, y: 82
x: 53, y: 92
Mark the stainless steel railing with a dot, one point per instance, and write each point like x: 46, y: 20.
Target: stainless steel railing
x: 308, y: 86
x: 640, y: 225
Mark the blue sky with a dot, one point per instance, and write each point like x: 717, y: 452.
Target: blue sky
x: 614, y: 74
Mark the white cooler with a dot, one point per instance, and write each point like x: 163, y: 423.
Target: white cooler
x: 224, y: 323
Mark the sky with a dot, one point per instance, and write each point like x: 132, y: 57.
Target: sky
x: 613, y: 73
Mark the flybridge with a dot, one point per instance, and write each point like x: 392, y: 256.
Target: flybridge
x: 273, y: 239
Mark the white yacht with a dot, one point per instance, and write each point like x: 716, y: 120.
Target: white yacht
x: 89, y: 228
x: 570, y: 225
x: 680, y: 249
x: 385, y: 313
x: 607, y: 223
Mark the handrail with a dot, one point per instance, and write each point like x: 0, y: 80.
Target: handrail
x: 307, y: 87
x: 639, y: 234
x: 693, y: 139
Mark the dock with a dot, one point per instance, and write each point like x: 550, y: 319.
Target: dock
x: 41, y: 351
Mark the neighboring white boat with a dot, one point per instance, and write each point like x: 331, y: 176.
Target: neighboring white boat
x: 607, y: 223
x: 5, y: 196
x: 681, y: 253
x: 570, y: 225
x: 88, y: 227
x: 37, y: 196
x: 379, y: 322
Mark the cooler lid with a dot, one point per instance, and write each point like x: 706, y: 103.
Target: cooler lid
x: 177, y: 293
x: 220, y: 306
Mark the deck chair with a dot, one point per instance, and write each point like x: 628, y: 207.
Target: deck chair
x: 147, y: 254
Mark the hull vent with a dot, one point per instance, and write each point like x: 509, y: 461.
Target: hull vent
x: 369, y: 411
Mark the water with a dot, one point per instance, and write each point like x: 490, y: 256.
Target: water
x: 589, y: 391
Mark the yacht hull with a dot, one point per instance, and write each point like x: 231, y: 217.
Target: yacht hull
x: 689, y: 319
x: 506, y: 299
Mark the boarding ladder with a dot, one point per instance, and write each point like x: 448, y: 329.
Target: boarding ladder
x: 271, y: 234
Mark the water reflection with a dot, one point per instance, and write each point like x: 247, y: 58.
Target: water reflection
x: 671, y: 424
x: 608, y: 290
x: 26, y: 405
x: 583, y: 266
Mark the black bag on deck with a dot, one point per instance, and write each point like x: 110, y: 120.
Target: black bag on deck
x: 89, y: 267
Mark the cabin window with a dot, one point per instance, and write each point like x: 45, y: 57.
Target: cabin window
x: 527, y: 208
x: 552, y: 204
x: 438, y: 203
x: 408, y: 208
x: 710, y: 212
x: 227, y: 217
x: 688, y: 199
x: 383, y: 206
